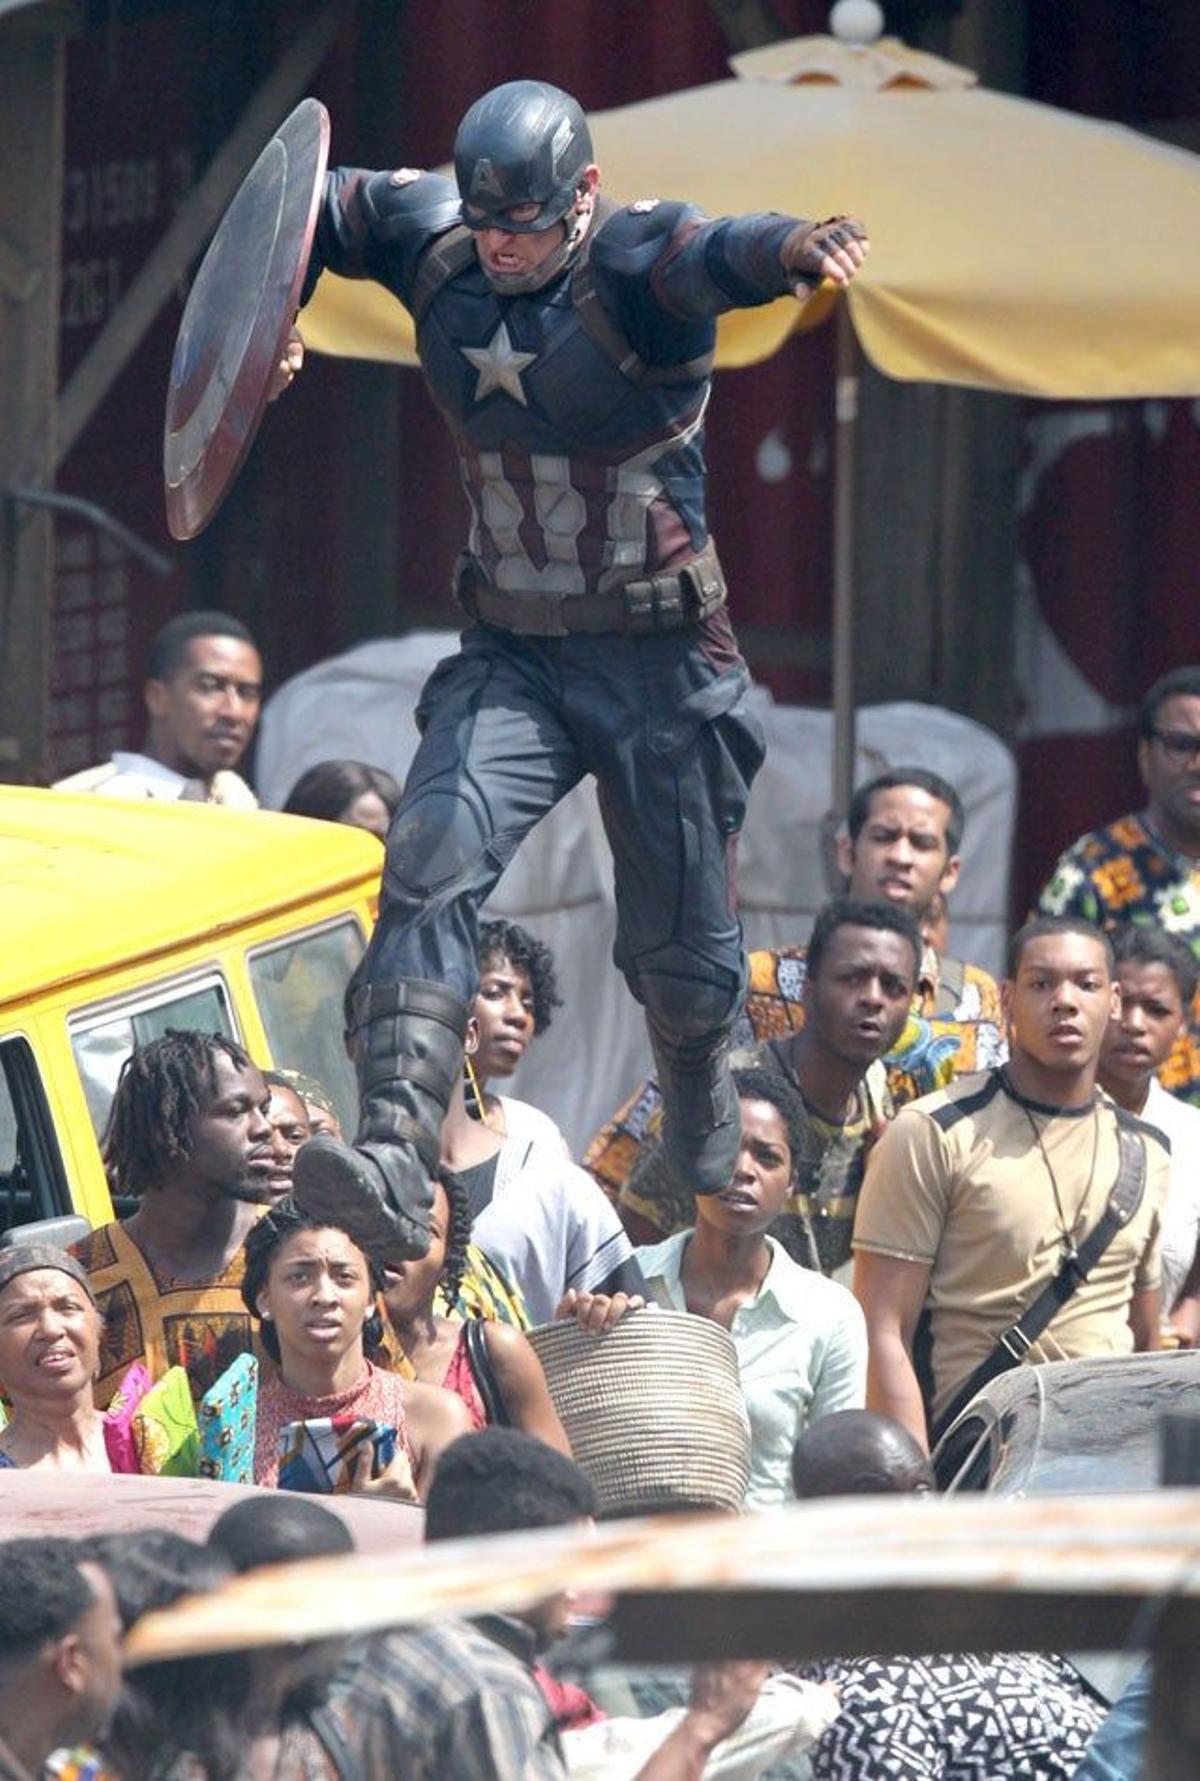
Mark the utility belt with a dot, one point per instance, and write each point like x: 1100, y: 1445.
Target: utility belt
x: 666, y: 602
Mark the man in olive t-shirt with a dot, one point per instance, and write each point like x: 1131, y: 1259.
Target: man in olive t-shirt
x: 973, y: 1195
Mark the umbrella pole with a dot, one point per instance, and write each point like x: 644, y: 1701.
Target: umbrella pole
x: 844, y: 479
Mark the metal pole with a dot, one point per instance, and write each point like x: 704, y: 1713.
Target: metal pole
x: 845, y: 454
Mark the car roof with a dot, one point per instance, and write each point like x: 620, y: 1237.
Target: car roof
x: 1086, y: 1426
x: 87, y: 881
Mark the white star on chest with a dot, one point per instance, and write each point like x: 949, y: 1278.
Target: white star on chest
x: 499, y: 366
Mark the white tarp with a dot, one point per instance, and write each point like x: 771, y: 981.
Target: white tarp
x: 359, y: 706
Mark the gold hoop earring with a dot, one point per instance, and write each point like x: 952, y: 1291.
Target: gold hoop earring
x: 480, y: 1107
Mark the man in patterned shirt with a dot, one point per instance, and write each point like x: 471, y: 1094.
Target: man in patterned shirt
x: 862, y: 964
x: 900, y: 847
x: 189, y: 1138
x: 1145, y: 868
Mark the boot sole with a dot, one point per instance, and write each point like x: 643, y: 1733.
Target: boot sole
x: 330, y: 1180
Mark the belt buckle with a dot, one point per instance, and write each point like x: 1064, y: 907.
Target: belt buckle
x: 531, y: 613
x: 1016, y: 1343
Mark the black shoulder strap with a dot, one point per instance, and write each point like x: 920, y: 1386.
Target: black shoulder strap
x: 603, y: 331
x: 487, y: 1384
x: 443, y: 259
x: 1020, y: 1337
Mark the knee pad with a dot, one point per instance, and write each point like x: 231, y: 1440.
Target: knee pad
x: 436, y: 840
x: 685, y: 999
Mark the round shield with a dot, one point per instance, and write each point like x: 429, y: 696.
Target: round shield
x: 238, y: 317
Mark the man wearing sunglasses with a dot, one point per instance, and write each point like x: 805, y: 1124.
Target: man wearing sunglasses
x: 1145, y: 868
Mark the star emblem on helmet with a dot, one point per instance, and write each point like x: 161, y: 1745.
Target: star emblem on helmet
x: 499, y: 366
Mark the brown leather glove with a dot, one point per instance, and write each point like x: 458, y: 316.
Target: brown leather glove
x: 807, y: 245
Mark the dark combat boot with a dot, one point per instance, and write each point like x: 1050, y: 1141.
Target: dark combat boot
x: 409, y: 1039
x: 701, y: 1125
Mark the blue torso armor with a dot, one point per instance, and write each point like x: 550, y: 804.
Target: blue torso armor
x: 578, y: 409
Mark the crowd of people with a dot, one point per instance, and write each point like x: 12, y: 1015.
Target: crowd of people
x: 938, y: 1178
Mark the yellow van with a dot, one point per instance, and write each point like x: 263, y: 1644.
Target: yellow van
x: 123, y: 919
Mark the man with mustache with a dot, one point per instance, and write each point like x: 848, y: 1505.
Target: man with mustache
x: 901, y: 845
x: 978, y: 1197
x: 203, y: 691
x: 189, y: 1138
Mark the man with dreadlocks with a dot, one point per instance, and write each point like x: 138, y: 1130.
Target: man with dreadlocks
x: 189, y: 1138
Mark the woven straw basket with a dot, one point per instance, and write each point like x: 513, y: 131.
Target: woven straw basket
x: 653, y: 1410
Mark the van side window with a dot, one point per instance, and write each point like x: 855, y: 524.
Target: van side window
x: 33, y: 1183
x: 300, y: 987
x: 103, y: 1038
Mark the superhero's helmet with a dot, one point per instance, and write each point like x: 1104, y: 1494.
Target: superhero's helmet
x: 523, y: 143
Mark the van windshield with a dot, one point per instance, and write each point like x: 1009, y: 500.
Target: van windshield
x: 300, y: 986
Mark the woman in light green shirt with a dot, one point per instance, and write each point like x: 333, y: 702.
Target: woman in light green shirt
x: 801, y: 1339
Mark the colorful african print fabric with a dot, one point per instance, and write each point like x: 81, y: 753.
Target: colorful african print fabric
x: 82, y: 1764
x: 1126, y: 874
x: 202, y: 1326
x: 950, y: 989
x: 928, y: 1055
x: 227, y: 1415
x: 486, y: 1292
x: 164, y: 1429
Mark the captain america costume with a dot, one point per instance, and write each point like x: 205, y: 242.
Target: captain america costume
x: 579, y: 477
x: 600, y: 641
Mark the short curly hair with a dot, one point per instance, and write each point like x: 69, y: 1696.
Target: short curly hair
x: 755, y: 1081
x: 506, y: 940
x: 43, y: 1594
x: 263, y: 1242
x: 1144, y: 943
x: 499, y: 1481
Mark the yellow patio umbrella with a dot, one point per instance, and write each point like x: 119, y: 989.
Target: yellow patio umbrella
x: 1015, y: 247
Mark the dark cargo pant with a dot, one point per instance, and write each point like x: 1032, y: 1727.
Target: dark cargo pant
x: 509, y: 726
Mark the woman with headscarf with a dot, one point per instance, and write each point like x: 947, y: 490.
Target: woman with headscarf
x: 49, y: 1356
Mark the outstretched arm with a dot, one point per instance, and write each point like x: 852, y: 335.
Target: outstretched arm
x: 722, y: 1696
x: 739, y: 262
x: 892, y: 1294
x: 523, y: 1386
